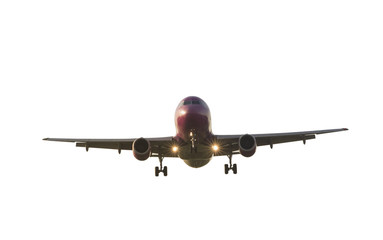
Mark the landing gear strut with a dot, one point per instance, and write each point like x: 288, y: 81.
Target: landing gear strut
x: 193, y: 140
x: 231, y: 166
x: 164, y: 169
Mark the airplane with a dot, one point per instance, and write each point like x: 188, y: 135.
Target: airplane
x: 194, y: 141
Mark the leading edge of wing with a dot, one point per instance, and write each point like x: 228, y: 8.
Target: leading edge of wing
x: 300, y: 133
x: 264, y: 135
x: 106, y: 139
x: 86, y: 140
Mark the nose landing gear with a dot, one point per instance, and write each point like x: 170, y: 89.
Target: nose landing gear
x: 164, y: 169
x: 193, y: 140
x: 230, y: 166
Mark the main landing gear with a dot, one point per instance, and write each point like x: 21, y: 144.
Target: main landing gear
x: 164, y: 169
x: 231, y: 166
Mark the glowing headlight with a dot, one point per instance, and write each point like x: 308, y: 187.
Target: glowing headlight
x: 175, y: 148
x: 215, y: 148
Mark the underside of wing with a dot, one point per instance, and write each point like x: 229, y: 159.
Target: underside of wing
x: 157, y: 144
x: 229, y: 143
x: 276, y: 138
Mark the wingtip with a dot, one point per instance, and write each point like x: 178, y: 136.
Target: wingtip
x: 44, y: 139
x: 345, y: 129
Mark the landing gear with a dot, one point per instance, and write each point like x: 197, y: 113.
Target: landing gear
x: 164, y: 170
x: 193, y: 140
x: 231, y: 166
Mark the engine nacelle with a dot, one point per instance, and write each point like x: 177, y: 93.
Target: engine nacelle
x: 141, y: 149
x: 247, y: 145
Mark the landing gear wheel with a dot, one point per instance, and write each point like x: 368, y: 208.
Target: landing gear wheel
x: 156, y: 171
x: 226, y: 168
x: 165, y: 171
x: 234, y: 168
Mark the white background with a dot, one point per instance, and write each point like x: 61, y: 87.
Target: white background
x: 117, y: 69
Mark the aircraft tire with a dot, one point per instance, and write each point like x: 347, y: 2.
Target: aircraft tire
x: 226, y: 168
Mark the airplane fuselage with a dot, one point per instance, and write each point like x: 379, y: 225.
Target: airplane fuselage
x: 194, y: 132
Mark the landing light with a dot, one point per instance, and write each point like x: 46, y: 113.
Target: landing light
x: 215, y: 148
x: 175, y: 148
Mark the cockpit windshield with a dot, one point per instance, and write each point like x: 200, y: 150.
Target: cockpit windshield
x: 194, y: 102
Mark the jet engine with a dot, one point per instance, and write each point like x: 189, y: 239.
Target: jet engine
x: 141, y: 149
x: 247, y: 145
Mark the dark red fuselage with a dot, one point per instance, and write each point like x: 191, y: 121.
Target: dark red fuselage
x: 194, y: 132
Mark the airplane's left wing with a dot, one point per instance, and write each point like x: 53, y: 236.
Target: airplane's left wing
x: 157, y: 144
x: 229, y: 143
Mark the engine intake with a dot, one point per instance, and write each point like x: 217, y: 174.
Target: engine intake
x: 247, y: 145
x: 141, y: 149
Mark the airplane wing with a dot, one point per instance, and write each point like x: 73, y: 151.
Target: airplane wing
x: 229, y: 143
x: 119, y: 144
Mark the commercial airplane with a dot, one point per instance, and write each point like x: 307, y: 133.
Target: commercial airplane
x: 195, y: 142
